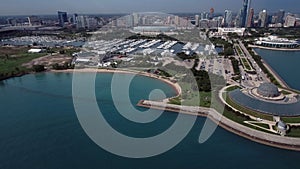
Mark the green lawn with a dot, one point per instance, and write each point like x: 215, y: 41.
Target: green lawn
x: 285, y: 92
x: 232, y: 88
x: 239, y: 50
x: 14, y: 65
x: 266, y: 126
x: 291, y: 119
x: 246, y: 64
x: 259, y: 129
x: 294, y: 132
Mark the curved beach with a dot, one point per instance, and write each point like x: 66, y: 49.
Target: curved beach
x: 175, y: 86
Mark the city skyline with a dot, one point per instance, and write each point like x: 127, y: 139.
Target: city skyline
x: 34, y: 7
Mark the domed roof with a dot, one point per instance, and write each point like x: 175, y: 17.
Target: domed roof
x: 268, y: 90
x: 281, y: 125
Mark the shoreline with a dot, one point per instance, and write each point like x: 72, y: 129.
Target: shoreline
x: 175, y: 86
x: 279, y: 79
x: 233, y: 127
x: 276, y: 49
x: 276, y: 75
x: 212, y: 114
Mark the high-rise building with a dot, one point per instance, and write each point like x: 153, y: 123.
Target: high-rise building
x: 290, y: 21
x: 263, y: 18
x: 62, y: 18
x: 228, y: 18
x: 239, y: 19
x: 177, y: 20
x: 211, y: 13
x: 130, y: 21
x: 197, y: 19
x: 92, y: 23
x: 250, y: 18
x: 12, y: 22
x: 244, y: 13
x: 280, y: 16
x: 135, y: 19
x: 81, y: 22
x: 34, y: 21
x: 75, y: 18
x: 204, y: 15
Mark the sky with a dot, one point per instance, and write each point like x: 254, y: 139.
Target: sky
x: 37, y: 7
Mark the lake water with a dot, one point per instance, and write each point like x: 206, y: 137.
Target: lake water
x: 39, y: 129
x: 286, y: 64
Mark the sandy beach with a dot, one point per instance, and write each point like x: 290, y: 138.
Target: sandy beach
x: 175, y: 86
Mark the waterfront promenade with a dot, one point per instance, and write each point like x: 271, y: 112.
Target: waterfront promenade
x: 246, y: 132
x: 270, y: 69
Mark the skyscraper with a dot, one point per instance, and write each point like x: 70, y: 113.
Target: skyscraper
x: 135, y: 19
x: 263, y: 18
x: 245, y: 11
x: 250, y: 18
x: 197, y: 19
x: 280, y: 16
x: 211, y: 13
x: 290, y: 21
x: 62, y: 18
x: 228, y: 18
x: 75, y: 18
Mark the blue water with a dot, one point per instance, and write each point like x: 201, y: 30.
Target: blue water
x: 39, y: 129
x: 286, y: 64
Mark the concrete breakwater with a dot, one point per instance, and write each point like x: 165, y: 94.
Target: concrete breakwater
x: 273, y: 140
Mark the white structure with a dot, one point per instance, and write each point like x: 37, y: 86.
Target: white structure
x: 35, y: 51
x: 275, y: 42
x: 290, y: 21
x: 263, y: 18
x: 225, y: 31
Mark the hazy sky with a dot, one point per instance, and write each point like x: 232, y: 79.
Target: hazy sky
x: 29, y: 7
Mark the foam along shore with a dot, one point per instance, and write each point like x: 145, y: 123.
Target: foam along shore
x: 175, y: 85
x: 288, y: 143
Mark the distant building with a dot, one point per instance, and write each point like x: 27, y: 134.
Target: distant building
x: 75, y: 18
x: 197, y: 19
x: 62, y: 18
x: 34, y: 21
x: 211, y: 13
x: 297, y: 24
x: 280, y: 16
x: 263, y: 18
x: 92, y: 23
x: 228, y: 18
x: 177, y: 20
x: 250, y: 18
x: 204, y: 23
x: 204, y: 15
x: 225, y: 31
x: 244, y: 13
x: 12, y: 22
x: 135, y: 19
x: 290, y: 21
x: 81, y: 22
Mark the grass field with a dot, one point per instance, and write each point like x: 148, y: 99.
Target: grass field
x: 192, y: 98
x: 246, y: 64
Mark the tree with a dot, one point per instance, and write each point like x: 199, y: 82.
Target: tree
x: 228, y: 51
x: 38, y: 68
